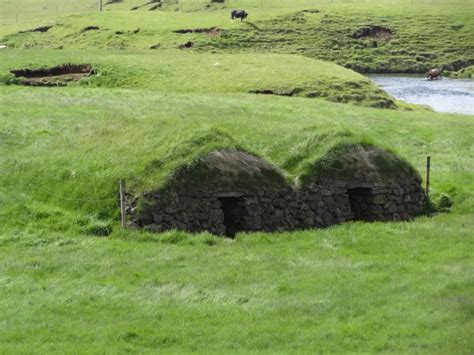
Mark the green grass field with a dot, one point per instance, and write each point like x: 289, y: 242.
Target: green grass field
x: 402, y: 287
x: 204, y: 73
x: 419, y: 41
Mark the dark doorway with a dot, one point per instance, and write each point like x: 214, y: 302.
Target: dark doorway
x: 231, y: 206
x: 361, y: 200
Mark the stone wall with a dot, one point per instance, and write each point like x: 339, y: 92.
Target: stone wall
x: 230, y: 191
x: 319, y: 204
x: 333, y: 201
x: 266, y: 210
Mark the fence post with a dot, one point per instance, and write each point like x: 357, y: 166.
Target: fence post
x: 428, y: 166
x: 122, y: 202
x: 100, y: 5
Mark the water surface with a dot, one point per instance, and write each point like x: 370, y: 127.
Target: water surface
x: 444, y: 95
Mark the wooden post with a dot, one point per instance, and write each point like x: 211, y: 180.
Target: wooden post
x: 122, y: 202
x: 428, y: 165
x: 100, y: 5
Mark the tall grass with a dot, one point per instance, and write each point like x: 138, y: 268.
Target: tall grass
x: 72, y: 280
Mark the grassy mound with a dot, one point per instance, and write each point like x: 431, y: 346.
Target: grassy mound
x: 342, y: 156
x: 226, y: 167
x: 351, y: 158
x: 204, y: 73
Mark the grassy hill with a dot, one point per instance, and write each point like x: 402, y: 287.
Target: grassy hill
x: 63, y: 151
x: 419, y: 36
x: 172, y: 71
x: 73, y: 280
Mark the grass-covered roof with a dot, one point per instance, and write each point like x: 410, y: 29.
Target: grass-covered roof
x: 212, y: 157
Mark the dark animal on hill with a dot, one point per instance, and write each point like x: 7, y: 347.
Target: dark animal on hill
x: 434, y: 73
x: 239, y: 14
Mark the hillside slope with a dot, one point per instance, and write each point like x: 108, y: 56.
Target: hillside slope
x: 170, y: 71
x: 71, y: 145
x: 379, y: 38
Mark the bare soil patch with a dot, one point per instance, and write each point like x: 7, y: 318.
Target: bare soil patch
x: 55, y: 76
x: 291, y: 92
x: 374, y: 31
x: 213, y: 31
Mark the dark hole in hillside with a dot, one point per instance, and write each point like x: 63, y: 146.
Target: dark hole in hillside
x: 54, y: 76
x: 212, y: 31
x: 373, y: 31
x: 187, y: 45
x: 361, y: 200
x: 155, y: 46
x: 90, y: 28
x: 39, y: 29
x: 232, y: 215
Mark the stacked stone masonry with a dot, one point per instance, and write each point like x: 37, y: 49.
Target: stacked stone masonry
x: 226, y: 209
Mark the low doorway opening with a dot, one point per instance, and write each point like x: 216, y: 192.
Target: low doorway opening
x: 231, y: 206
x: 361, y: 200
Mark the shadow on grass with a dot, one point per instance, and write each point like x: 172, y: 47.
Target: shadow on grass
x: 252, y: 25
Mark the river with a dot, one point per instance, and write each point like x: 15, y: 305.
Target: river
x: 444, y: 95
